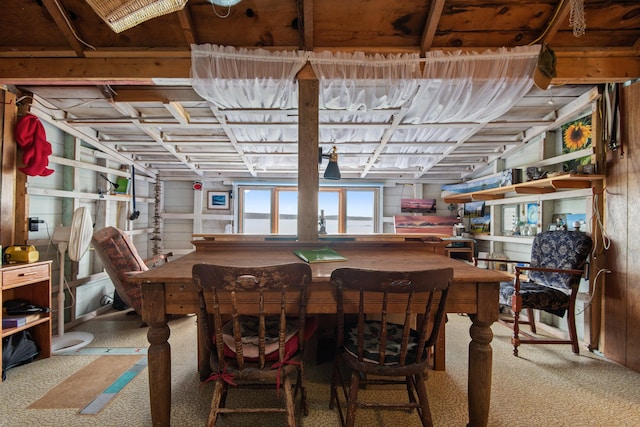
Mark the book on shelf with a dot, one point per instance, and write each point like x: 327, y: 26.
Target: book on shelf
x: 16, y: 321
x: 319, y: 255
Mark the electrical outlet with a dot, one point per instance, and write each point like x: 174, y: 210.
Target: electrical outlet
x: 33, y: 223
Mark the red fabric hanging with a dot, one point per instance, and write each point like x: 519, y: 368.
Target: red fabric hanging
x: 31, y: 137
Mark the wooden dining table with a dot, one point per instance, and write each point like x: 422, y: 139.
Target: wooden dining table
x: 169, y: 289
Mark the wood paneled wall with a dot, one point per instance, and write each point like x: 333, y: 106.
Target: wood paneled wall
x: 622, y: 219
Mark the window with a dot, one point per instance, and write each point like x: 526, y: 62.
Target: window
x: 255, y: 216
x: 274, y: 209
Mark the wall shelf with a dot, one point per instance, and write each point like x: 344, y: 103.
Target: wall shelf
x: 539, y: 186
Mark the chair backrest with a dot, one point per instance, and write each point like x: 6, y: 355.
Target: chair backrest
x: 376, y: 292
x: 119, y: 257
x: 562, y: 250
x: 278, y: 290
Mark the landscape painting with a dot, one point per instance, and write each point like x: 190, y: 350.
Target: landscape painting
x: 418, y: 205
x: 429, y: 224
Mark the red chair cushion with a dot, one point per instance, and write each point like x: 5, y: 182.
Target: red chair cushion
x: 250, y: 338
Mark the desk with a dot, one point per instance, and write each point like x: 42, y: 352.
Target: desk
x: 169, y: 289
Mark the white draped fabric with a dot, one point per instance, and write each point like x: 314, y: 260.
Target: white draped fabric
x: 355, y: 82
x: 241, y: 78
x: 360, y: 92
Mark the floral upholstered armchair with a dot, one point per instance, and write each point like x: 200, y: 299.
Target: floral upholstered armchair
x: 121, y: 260
x: 558, y: 261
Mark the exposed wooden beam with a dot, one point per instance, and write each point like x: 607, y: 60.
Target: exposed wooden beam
x: 559, y: 18
x: 162, y: 94
x: 187, y: 25
x: 305, y: 23
x: 594, y: 70
x: 576, y: 67
x: 129, y: 110
x: 63, y: 22
x: 431, y: 24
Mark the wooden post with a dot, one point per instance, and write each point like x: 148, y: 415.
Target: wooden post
x: 8, y: 182
x: 308, y: 95
x: 21, y: 201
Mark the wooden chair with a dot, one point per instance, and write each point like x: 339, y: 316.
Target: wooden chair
x: 262, y: 346
x: 558, y: 261
x: 381, y: 348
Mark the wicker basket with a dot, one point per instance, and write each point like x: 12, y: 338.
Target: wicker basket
x: 121, y: 15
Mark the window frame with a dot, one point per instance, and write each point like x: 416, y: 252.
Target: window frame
x: 276, y: 189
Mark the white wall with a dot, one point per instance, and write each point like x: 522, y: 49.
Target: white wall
x: 54, y: 198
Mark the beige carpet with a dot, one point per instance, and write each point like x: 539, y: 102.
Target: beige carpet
x: 87, y: 384
x: 546, y: 386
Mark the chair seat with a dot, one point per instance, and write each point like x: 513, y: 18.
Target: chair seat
x: 250, y: 326
x: 372, y: 340
x: 536, y: 296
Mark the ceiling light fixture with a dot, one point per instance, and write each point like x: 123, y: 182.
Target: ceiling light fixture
x: 226, y: 3
x: 223, y: 3
x: 121, y: 15
x: 332, y: 171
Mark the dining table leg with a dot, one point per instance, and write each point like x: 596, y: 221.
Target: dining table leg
x: 481, y: 354
x: 159, y: 353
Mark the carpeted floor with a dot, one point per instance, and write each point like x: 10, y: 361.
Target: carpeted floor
x: 545, y: 386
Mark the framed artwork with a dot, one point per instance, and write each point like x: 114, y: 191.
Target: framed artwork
x: 532, y: 213
x: 217, y: 200
x: 474, y: 209
x: 418, y: 205
x: 576, y: 135
x: 510, y: 218
x: 432, y: 224
x: 479, y: 225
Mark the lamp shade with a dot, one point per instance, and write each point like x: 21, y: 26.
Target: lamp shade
x: 332, y: 171
x: 121, y: 15
x: 227, y: 3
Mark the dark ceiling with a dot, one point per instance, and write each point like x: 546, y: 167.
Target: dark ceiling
x: 76, y: 66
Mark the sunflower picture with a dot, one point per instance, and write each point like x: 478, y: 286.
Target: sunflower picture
x: 576, y: 135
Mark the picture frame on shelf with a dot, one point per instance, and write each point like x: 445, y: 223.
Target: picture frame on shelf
x: 217, y: 200
x: 474, y: 209
x: 532, y: 213
x: 510, y: 218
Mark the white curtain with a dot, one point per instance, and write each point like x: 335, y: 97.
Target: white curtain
x: 463, y: 87
x: 241, y: 78
x: 360, y: 96
x: 356, y: 82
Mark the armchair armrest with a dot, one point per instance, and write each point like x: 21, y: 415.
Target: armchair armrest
x: 517, y: 298
x: 506, y: 261
x: 158, y: 259
x: 550, y: 270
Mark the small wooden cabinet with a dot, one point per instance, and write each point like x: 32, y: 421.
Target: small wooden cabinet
x: 460, y: 247
x: 31, y: 282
